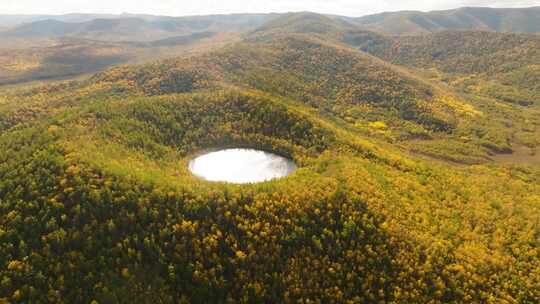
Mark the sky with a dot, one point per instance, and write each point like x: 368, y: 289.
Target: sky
x: 205, y: 7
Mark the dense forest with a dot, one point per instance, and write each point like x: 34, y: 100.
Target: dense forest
x: 400, y: 196
x: 504, y: 66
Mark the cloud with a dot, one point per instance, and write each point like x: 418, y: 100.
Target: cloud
x: 200, y: 7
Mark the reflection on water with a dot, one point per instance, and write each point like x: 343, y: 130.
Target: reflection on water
x: 241, y: 166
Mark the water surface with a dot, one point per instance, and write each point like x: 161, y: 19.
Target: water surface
x: 241, y: 166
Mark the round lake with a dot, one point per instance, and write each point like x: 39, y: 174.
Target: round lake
x: 241, y: 166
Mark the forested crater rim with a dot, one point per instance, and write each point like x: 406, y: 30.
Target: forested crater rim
x: 241, y: 166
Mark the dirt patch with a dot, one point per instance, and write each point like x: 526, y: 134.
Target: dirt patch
x: 521, y: 155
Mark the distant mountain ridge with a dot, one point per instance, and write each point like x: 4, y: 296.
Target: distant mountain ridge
x: 133, y: 27
x: 8, y: 21
x: 526, y: 20
x: 149, y: 27
x: 119, y: 29
x: 18, y: 20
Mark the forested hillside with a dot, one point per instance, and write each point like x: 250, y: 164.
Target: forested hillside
x: 465, y: 52
x: 401, y: 195
x: 520, y: 20
x: 34, y: 47
x: 504, y: 66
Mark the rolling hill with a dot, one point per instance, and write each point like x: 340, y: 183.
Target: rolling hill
x: 133, y: 35
x: 399, y: 196
x: 75, y: 45
x: 11, y: 21
x: 503, y: 65
x: 521, y: 20
x: 145, y: 28
x: 63, y: 57
x: 299, y: 65
x: 525, y: 20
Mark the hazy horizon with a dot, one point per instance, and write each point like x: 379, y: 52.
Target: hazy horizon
x: 211, y: 7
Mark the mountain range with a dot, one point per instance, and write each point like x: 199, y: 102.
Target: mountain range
x: 526, y: 20
x: 131, y: 27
